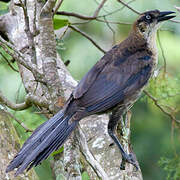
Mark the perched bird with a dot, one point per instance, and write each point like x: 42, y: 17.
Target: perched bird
x: 112, y: 85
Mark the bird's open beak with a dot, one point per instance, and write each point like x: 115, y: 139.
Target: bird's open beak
x: 163, y: 16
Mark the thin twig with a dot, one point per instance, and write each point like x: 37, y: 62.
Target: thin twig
x: 57, y: 6
x: 14, y: 106
x: 20, y: 58
x: 161, y: 107
x: 113, y: 22
x: 9, y: 64
x: 18, y: 121
x: 99, y: 8
x: 175, y: 21
x: 162, y: 51
x: 117, y: 10
x: 132, y: 9
x: 65, y: 13
x: 88, y: 37
x: 17, y: 95
x: 111, y: 29
x: 178, y: 8
x: 28, y: 32
x: 94, y: 16
x: 34, y: 19
x: 48, y: 7
x: 63, y: 34
x: 11, y: 46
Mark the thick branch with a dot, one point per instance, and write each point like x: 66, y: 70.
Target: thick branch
x: 41, y: 102
x: 88, y: 155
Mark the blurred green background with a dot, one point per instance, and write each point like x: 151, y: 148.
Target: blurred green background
x: 155, y: 140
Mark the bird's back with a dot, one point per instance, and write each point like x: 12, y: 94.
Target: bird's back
x: 119, y: 76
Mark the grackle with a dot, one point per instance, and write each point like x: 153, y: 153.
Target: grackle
x: 112, y: 85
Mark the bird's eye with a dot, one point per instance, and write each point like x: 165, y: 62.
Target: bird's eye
x: 148, y: 17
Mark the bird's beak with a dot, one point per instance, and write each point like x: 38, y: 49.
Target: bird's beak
x: 163, y: 16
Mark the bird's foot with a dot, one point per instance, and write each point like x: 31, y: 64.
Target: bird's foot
x: 130, y: 158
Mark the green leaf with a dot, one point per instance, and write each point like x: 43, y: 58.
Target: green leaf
x: 59, y: 23
x: 58, y: 151
x: 3, y: 8
x: 85, y: 176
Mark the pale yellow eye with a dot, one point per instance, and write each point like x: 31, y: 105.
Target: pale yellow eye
x: 148, y: 17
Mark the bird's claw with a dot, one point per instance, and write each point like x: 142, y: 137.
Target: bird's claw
x: 130, y: 159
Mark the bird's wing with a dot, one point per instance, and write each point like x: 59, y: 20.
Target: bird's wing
x: 90, y: 77
x: 120, y: 76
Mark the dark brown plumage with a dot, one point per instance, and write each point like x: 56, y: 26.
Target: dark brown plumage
x: 113, y: 84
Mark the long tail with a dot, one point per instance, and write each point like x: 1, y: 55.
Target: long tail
x: 47, y: 138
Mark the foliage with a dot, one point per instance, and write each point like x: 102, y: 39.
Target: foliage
x: 3, y: 8
x: 85, y: 176
x: 59, y: 23
x: 171, y: 166
x: 165, y: 88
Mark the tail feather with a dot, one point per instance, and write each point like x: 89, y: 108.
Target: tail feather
x: 54, y: 145
x: 35, y: 139
x: 44, y: 140
x: 40, y: 133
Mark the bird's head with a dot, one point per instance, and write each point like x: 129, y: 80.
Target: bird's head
x: 149, y: 21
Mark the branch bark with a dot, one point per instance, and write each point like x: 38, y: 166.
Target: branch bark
x: 10, y: 144
x: 14, y: 106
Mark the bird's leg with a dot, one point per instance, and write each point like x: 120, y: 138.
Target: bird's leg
x: 114, y: 118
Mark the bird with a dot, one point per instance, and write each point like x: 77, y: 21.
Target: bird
x: 111, y: 86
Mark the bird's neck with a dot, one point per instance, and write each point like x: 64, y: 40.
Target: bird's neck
x: 136, y: 38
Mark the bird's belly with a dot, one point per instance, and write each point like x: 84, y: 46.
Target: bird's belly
x: 130, y: 100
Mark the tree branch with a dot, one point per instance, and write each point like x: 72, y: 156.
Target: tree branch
x: 57, y: 6
x: 41, y: 102
x: 113, y: 22
x: 9, y: 64
x: 99, y: 8
x: 172, y: 117
x: 88, y: 37
x: 132, y: 9
x: 14, y: 106
x: 19, y: 58
x: 88, y: 156
x: 64, y: 13
x: 175, y: 21
x: 162, y: 51
x: 18, y: 121
x: 28, y: 32
x: 115, y: 11
x: 48, y: 7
